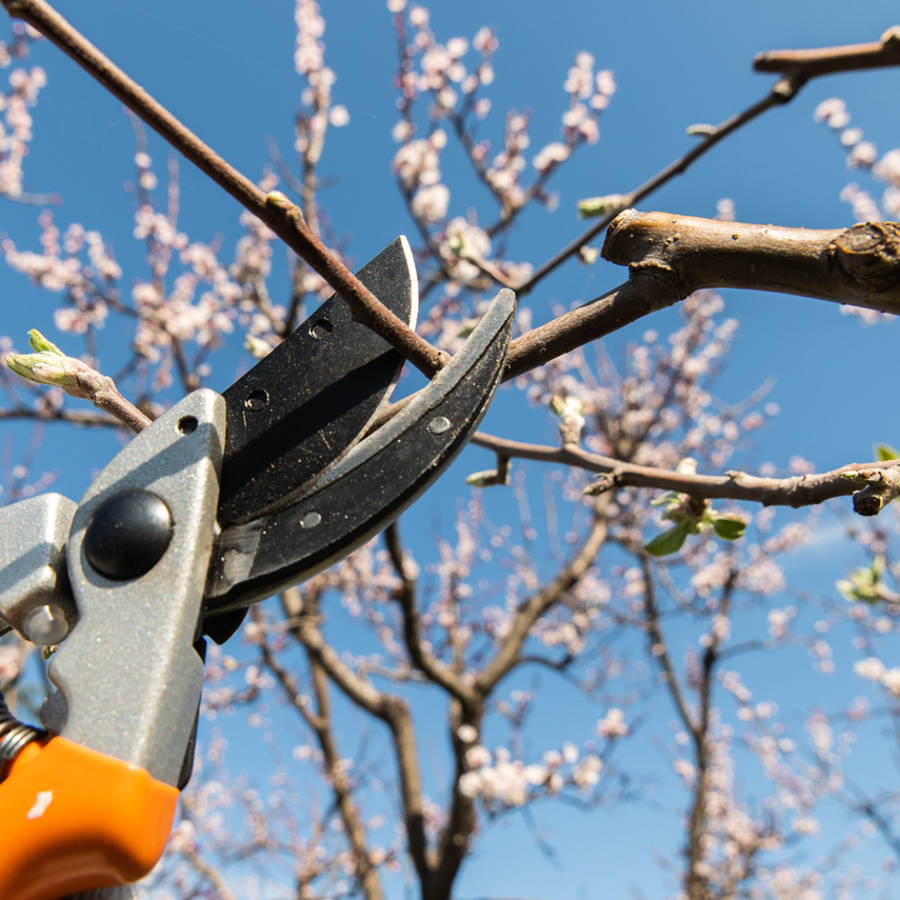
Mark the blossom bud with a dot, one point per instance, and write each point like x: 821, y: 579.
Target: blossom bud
x: 600, y: 206
x: 49, y: 365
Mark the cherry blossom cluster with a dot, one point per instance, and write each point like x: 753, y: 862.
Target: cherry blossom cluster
x: 189, y: 297
x: 16, y: 102
x: 453, y: 76
x: 501, y: 781
x: 77, y: 263
x: 317, y: 112
x: 863, y: 155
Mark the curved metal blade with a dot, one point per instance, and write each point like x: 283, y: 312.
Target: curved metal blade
x: 372, y: 484
x: 303, y: 406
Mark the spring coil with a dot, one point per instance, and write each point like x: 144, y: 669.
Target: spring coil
x: 14, y: 735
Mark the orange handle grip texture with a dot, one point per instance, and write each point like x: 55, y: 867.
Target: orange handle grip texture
x: 72, y: 819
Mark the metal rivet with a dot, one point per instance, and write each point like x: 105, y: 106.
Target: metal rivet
x: 320, y: 329
x: 45, y: 625
x: 439, y: 424
x: 187, y: 424
x: 310, y: 520
x: 256, y: 399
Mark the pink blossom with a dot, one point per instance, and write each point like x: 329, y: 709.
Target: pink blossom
x: 612, y: 725
x: 871, y: 668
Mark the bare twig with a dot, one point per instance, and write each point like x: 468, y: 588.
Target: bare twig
x: 659, y: 651
x: 69, y: 416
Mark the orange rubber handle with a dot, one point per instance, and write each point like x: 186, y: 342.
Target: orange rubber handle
x: 72, y: 819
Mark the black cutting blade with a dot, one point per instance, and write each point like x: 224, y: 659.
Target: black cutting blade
x: 304, y: 405
x: 370, y: 486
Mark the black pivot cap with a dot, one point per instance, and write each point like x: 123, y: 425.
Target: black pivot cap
x: 128, y: 534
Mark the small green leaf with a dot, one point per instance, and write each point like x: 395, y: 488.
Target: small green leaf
x: 729, y: 528
x: 40, y: 343
x: 864, y: 584
x: 884, y: 452
x: 856, y: 593
x: 669, y: 541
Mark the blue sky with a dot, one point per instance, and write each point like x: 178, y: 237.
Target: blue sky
x: 225, y: 68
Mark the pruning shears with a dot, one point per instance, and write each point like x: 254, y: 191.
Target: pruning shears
x: 221, y: 502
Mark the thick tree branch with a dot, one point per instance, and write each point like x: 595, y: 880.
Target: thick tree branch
x: 645, y: 293
x: 872, y: 484
x: 858, y: 265
x: 829, y: 60
x: 282, y: 216
x: 305, y: 629
x: 671, y: 256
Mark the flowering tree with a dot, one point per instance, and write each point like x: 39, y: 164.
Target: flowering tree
x: 648, y: 592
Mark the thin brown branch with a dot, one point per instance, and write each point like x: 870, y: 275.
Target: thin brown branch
x: 530, y: 610
x: 211, y: 874
x: 488, y: 268
x: 320, y: 723
x: 282, y: 216
x: 659, y: 650
x: 696, y: 879
x: 121, y: 408
x: 881, y: 480
x: 392, y: 710
x: 639, y: 297
x: 829, y: 60
x: 429, y: 665
x: 69, y: 416
x: 305, y: 629
x: 783, y: 91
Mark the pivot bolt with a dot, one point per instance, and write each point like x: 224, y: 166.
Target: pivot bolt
x: 128, y: 534
x: 45, y: 624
